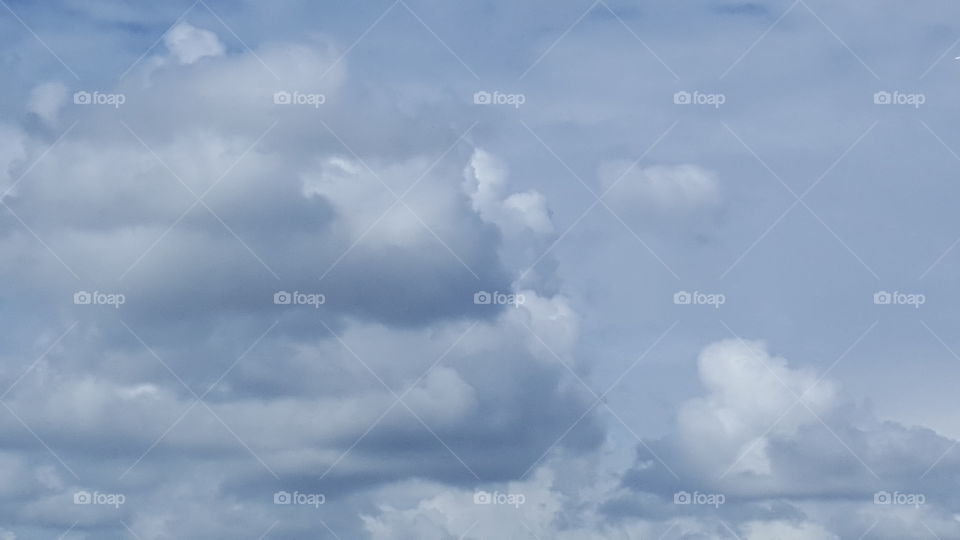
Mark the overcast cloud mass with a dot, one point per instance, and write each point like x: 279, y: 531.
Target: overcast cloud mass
x: 414, y: 269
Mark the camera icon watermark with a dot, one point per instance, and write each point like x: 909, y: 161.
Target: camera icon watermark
x: 496, y: 298
x: 97, y: 298
x: 684, y: 97
x: 82, y: 97
x: 899, y: 98
x: 897, y: 298
x: 697, y: 298
x: 707, y: 499
x: 297, y: 298
x: 897, y: 498
x: 284, y: 97
x: 496, y: 97
x: 96, y: 498
x: 299, y: 499
x: 490, y: 498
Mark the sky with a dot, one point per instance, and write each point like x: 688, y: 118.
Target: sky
x: 412, y: 269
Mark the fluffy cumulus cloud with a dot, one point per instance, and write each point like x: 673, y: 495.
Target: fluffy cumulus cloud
x: 740, y: 463
x: 380, y: 366
x: 790, y: 457
x: 269, y: 272
x: 188, y: 43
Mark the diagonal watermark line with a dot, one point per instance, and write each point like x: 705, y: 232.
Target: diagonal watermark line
x: 838, y: 38
x: 957, y: 241
x: 641, y: 441
x: 929, y: 529
x: 127, y: 527
x: 34, y: 164
x: 746, y: 452
x: 359, y: 439
x: 800, y: 200
x: 527, y: 527
x: 558, y: 40
x: 442, y: 42
x: 599, y: 397
x: 939, y: 459
x: 869, y: 529
x: 816, y: 383
x: 730, y: 530
x: 358, y: 40
x: 198, y: 399
x: 39, y: 358
x: 68, y: 531
x: 37, y: 237
x: 398, y: 200
x: 17, y: 217
x: 673, y: 524
x: 597, y: 201
x: 399, y: 398
x: 199, y: 200
x: 41, y: 41
x: 799, y: 398
x: 440, y: 440
x: 327, y: 527
x: 642, y: 42
x: 159, y: 439
x: 275, y: 523
x: 759, y: 39
x: 240, y: 440
x: 157, y: 42
x: 466, y: 532
x: 440, y: 240
x: 240, y: 358
x: 939, y: 59
x: 842, y: 242
x: 245, y: 46
x: 40, y: 440
x: 954, y: 354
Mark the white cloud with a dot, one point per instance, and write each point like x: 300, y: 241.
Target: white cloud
x: 667, y: 188
x: 486, y: 178
x: 188, y: 43
x: 748, y: 391
x: 46, y: 100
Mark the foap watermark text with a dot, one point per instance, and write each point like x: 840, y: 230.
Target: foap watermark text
x: 498, y: 98
x: 509, y: 499
x: 697, y: 298
x: 707, y: 499
x: 283, y: 97
x: 299, y: 499
x: 97, y: 298
x: 898, y: 498
x: 96, y: 97
x: 897, y: 97
x: 697, y: 97
x: 897, y: 298
x: 297, y: 298
x: 101, y: 499
x: 498, y: 298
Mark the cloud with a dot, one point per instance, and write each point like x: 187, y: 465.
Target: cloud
x: 14, y: 149
x: 750, y: 439
x: 189, y: 44
x: 46, y: 100
x: 668, y: 193
x: 485, y: 180
x: 786, y: 531
x: 666, y: 189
